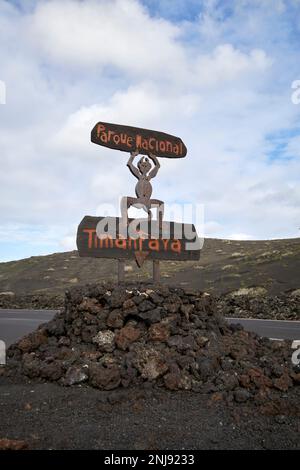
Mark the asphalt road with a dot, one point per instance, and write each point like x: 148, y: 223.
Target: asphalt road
x: 274, y: 329
x: 16, y: 323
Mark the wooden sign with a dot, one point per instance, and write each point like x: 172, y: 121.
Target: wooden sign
x: 131, y: 139
x: 178, y: 242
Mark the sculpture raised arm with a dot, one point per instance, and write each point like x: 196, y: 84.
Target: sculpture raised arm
x: 154, y: 170
x: 134, y: 170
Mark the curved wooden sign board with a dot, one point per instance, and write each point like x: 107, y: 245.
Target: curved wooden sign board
x: 131, y: 139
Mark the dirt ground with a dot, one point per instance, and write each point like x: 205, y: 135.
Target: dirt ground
x: 48, y: 416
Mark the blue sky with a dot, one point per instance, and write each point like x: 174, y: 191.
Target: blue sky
x: 216, y: 73
x: 181, y: 10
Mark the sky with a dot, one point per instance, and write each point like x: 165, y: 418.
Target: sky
x: 222, y: 75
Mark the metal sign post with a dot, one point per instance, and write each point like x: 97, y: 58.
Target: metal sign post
x: 140, y: 239
x: 156, y: 271
x: 121, y: 271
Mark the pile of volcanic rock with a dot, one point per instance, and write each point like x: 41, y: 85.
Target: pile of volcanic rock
x: 109, y: 336
x: 282, y: 307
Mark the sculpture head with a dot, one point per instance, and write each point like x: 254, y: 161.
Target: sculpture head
x: 144, y: 165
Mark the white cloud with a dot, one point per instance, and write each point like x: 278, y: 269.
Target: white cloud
x: 68, y: 242
x: 140, y: 105
x: 121, y: 34
x: 212, y: 228
x: 228, y: 63
x: 103, y: 33
x: 239, y: 236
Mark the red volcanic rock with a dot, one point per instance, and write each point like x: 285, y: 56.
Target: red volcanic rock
x: 126, y: 336
x: 112, y: 336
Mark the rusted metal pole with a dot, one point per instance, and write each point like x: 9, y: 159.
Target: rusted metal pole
x: 121, y: 271
x: 156, y: 271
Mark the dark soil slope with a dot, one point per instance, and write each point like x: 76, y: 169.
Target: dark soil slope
x: 225, y: 266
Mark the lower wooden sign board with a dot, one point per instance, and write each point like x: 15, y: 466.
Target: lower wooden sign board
x: 106, y: 237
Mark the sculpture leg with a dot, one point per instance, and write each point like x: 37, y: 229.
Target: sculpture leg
x: 126, y: 202
x: 124, y: 210
x: 160, y: 210
x: 148, y: 209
